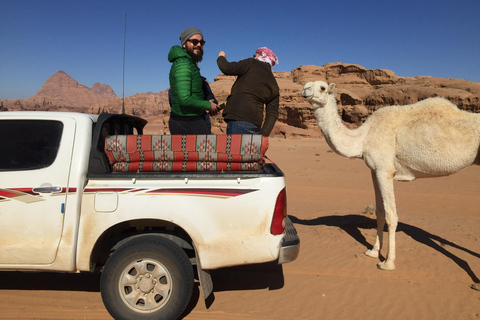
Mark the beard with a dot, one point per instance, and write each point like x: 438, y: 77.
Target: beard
x: 195, y: 52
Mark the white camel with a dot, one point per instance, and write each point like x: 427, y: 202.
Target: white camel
x: 427, y: 139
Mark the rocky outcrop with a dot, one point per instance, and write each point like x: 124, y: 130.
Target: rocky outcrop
x: 142, y: 104
x: 359, y: 92
x: 63, y: 93
x: 103, y: 90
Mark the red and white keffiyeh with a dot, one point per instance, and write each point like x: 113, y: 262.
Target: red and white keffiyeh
x: 266, y: 55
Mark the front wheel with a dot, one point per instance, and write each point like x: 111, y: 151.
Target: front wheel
x: 148, y: 277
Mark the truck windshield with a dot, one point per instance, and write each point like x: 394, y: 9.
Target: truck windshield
x: 28, y: 144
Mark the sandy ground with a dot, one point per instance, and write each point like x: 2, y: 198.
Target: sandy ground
x: 438, y: 254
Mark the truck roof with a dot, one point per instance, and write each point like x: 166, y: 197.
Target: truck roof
x: 37, y: 114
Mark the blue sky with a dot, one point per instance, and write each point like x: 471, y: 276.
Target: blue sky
x: 439, y: 38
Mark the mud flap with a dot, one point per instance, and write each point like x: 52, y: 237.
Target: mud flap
x: 205, y: 278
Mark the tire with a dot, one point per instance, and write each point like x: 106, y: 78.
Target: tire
x: 148, y: 277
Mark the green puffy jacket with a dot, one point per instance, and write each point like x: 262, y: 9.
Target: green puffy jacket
x: 185, y: 85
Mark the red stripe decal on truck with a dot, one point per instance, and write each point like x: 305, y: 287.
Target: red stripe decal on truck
x: 211, y: 192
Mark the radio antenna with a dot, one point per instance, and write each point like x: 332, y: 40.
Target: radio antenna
x: 124, y: 45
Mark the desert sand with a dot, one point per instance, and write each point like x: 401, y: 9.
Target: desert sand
x: 329, y: 200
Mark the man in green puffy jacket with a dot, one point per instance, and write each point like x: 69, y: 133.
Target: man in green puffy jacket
x: 189, y: 109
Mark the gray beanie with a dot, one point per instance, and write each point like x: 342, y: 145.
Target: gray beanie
x: 187, y: 33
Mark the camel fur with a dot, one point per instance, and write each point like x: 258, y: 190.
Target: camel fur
x: 430, y: 138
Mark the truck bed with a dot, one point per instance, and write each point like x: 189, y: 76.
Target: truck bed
x: 269, y: 170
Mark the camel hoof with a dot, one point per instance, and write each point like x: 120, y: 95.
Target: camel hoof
x: 384, y: 265
x: 475, y: 286
x: 371, y: 253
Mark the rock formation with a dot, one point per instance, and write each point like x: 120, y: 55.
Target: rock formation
x: 63, y: 93
x: 359, y: 92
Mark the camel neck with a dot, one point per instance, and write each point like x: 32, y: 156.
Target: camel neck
x: 344, y: 141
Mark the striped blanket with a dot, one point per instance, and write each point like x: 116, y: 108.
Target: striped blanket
x: 135, y: 153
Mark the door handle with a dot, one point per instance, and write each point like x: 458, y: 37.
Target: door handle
x: 47, y: 189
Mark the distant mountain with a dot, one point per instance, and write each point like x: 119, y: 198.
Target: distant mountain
x: 359, y: 92
x: 62, y: 90
x: 63, y: 93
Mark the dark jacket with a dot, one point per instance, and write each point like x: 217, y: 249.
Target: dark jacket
x: 254, y: 92
x: 187, y: 96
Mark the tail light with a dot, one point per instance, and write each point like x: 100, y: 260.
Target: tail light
x: 279, y: 213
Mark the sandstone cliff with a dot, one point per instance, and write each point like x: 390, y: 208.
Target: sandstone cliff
x: 63, y: 93
x: 359, y: 92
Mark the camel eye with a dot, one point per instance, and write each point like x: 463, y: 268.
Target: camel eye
x: 322, y: 88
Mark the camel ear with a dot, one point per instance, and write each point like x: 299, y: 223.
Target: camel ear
x: 331, y: 87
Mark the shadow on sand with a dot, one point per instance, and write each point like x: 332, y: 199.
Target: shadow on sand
x: 249, y: 277
x: 352, y: 224
x: 55, y: 281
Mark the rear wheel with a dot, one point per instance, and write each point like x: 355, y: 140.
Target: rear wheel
x: 148, y: 277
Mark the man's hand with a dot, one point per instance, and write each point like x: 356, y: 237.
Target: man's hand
x: 221, y: 54
x: 214, y: 108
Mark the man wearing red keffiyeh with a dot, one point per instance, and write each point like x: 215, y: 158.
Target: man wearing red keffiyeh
x: 254, y: 92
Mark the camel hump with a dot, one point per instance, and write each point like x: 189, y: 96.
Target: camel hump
x: 433, y: 107
x: 443, y: 108
x: 438, y: 103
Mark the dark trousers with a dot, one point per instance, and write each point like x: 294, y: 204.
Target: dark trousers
x: 189, y: 125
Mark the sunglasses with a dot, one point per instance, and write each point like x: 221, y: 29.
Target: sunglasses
x: 195, y: 42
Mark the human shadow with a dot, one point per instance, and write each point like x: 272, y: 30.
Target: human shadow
x: 352, y: 224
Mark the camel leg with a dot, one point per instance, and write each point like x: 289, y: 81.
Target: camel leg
x: 385, y: 185
x: 380, y: 213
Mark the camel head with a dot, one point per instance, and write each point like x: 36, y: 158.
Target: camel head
x: 317, y: 92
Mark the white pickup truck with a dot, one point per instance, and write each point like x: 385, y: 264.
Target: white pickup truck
x: 63, y: 209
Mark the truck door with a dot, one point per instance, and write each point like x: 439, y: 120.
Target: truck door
x: 35, y: 157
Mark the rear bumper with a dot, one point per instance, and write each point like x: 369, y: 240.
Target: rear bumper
x: 290, y: 247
